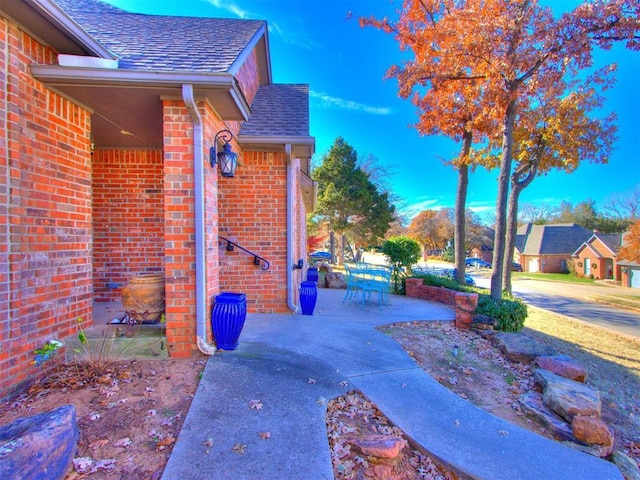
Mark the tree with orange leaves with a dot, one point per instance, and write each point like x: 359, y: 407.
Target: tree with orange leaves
x: 556, y: 132
x: 446, y: 108
x: 511, y: 51
x: 630, y: 249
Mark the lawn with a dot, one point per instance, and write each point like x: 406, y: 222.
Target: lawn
x: 553, y: 277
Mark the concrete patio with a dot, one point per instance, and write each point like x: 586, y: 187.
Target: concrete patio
x: 340, y: 348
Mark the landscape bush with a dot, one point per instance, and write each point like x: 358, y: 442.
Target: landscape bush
x: 509, y: 312
x: 401, y: 252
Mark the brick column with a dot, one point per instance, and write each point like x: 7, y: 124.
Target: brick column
x: 179, y: 230
x: 465, y: 308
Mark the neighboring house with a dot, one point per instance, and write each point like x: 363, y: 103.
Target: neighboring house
x: 548, y: 248
x: 628, y: 273
x: 483, y: 252
x: 106, y: 124
x: 598, y: 255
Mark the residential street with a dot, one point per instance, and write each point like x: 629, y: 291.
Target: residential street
x: 575, y: 301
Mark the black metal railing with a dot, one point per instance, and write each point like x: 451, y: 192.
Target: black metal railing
x: 257, y: 259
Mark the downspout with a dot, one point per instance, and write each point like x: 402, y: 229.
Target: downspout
x: 290, y: 250
x: 198, y: 174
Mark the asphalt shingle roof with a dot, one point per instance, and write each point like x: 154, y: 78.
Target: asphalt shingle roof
x: 279, y: 110
x: 611, y: 240
x: 558, y: 239
x: 164, y: 43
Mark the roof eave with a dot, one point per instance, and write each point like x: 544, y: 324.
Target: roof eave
x: 58, y: 77
x: 31, y: 13
x: 304, y: 146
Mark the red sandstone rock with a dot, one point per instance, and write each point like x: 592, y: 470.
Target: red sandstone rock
x: 381, y: 446
x: 564, y: 366
x: 591, y: 430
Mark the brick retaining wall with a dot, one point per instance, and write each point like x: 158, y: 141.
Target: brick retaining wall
x: 464, y: 303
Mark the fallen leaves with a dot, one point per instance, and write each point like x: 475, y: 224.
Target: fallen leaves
x: 352, y: 416
x: 88, y: 465
x: 239, y: 448
x: 165, y: 442
x: 128, y: 418
x: 123, y: 442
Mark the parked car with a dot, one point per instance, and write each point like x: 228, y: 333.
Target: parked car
x: 315, y: 256
x: 516, y: 267
x: 476, y: 262
x: 451, y: 273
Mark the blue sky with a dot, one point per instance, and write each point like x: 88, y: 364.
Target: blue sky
x: 313, y: 42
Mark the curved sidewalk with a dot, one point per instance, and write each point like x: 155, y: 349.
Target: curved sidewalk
x: 293, y: 364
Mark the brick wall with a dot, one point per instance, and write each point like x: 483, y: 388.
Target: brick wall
x: 253, y: 213
x: 248, y: 77
x: 46, y: 203
x: 128, y: 218
x: 554, y: 263
x: 179, y: 217
x: 464, y: 303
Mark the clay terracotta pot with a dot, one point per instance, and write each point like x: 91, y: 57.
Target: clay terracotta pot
x: 143, y: 298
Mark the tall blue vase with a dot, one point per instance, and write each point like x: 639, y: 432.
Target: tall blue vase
x: 308, y: 297
x: 312, y: 274
x: 227, y: 319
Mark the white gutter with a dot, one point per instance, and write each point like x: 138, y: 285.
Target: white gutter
x: 290, y: 197
x: 198, y: 174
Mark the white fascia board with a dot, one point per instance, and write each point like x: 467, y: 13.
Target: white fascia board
x: 275, y: 140
x: 57, y: 74
x: 65, y: 60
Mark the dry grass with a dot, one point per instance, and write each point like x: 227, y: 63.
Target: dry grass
x: 612, y: 360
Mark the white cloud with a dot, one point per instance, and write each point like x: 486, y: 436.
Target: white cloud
x: 231, y: 8
x: 415, y: 208
x: 411, y: 210
x: 342, y: 104
x: 294, y: 33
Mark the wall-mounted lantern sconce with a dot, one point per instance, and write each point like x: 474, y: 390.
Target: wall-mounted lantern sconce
x: 227, y: 159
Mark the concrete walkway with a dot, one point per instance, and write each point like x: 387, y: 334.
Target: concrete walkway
x: 341, y: 350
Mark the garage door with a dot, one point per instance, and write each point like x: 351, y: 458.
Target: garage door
x: 635, y: 278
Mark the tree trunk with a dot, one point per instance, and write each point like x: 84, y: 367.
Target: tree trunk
x: 501, y: 202
x: 461, y: 201
x: 512, y: 227
x: 520, y: 179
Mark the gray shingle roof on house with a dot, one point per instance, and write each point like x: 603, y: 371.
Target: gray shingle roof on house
x: 558, y: 239
x: 165, y: 43
x: 611, y: 240
x: 279, y: 110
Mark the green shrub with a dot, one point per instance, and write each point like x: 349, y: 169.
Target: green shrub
x: 444, y: 282
x: 509, y: 312
x: 401, y: 253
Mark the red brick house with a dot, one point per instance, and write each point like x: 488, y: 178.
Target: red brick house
x: 106, y: 125
x: 483, y: 252
x: 597, y: 256
x: 548, y: 248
